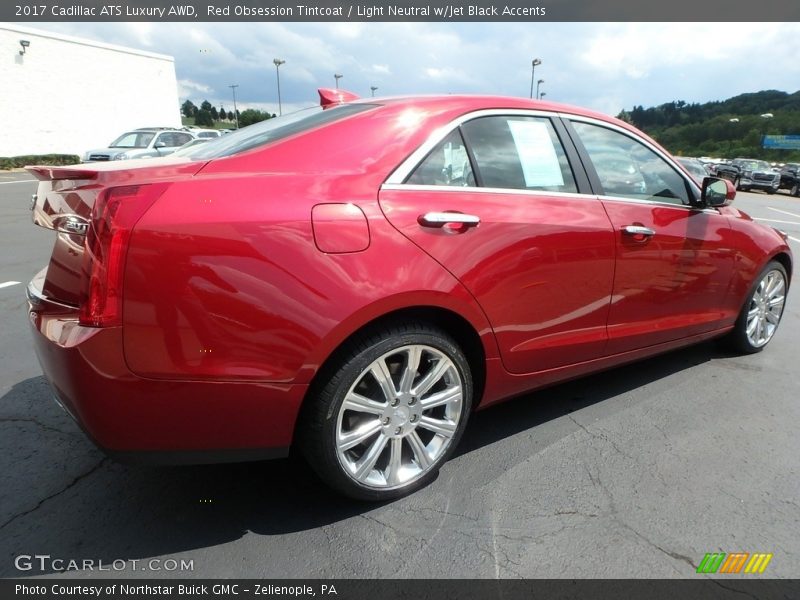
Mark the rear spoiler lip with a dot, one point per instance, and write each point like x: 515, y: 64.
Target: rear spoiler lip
x: 49, y: 173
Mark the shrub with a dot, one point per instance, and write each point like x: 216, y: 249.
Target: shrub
x: 15, y: 162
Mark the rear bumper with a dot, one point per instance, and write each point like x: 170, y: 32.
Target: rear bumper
x: 156, y: 421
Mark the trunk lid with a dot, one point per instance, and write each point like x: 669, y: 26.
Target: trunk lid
x: 64, y: 200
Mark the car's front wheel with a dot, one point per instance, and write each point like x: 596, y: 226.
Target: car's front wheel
x: 390, y: 413
x: 762, y: 311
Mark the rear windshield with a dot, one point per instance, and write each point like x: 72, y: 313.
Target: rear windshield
x: 272, y: 130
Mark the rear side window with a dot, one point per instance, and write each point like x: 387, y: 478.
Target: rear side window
x: 447, y: 164
x: 628, y: 168
x: 519, y: 153
x: 273, y: 130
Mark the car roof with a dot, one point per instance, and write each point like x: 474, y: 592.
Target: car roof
x: 460, y: 104
x: 472, y: 102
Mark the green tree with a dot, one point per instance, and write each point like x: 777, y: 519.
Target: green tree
x: 203, y: 118
x: 188, y: 108
x: 214, y: 113
x: 251, y: 115
x: 206, y: 105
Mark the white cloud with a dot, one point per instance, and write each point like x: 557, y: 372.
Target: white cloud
x: 380, y: 69
x: 188, y: 88
x: 605, y: 66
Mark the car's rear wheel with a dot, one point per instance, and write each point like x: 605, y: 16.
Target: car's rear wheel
x: 795, y: 190
x: 762, y: 311
x: 390, y: 414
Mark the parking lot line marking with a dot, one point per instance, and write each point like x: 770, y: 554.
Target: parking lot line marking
x: 8, y: 284
x: 786, y: 212
x: 19, y: 181
x: 794, y: 239
x: 777, y: 221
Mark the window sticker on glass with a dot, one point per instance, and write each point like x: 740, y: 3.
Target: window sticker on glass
x: 540, y: 165
x: 455, y: 158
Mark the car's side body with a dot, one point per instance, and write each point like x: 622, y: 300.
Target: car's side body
x: 248, y: 274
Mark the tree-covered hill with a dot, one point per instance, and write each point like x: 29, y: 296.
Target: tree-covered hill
x: 727, y: 128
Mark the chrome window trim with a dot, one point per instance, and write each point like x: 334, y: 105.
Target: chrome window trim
x: 415, y: 187
x: 712, y: 211
x: 669, y: 160
x: 399, y: 175
x: 406, y: 167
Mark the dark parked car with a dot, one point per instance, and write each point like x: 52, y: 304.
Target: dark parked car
x: 750, y: 174
x: 790, y: 178
x: 354, y: 280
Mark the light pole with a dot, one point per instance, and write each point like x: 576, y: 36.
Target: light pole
x: 372, y: 89
x: 235, y: 112
x: 278, y: 62
x: 538, y: 83
x: 765, y: 118
x: 534, y: 62
x: 337, y: 77
x: 541, y: 95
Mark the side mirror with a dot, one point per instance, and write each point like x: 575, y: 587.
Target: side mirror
x: 159, y: 145
x: 717, y: 192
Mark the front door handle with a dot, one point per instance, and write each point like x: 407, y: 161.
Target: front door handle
x: 440, y: 219
x: 638, y: 230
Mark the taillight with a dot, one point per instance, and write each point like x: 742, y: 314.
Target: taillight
x: 116, y: 211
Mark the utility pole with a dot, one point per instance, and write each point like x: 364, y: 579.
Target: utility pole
x: 235, y: 112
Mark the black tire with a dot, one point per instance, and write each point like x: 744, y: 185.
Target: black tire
x: 795, y: 190
x: 321, y: 422
x: 738, y: 338
x: 771, y: 191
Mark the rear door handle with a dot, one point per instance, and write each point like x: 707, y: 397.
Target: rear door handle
x: 638, y: 230
x: 440, y: 219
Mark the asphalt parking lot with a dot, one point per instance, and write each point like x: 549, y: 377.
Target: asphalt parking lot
x: 636, y: 472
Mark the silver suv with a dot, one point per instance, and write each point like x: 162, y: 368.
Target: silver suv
x: 141, y: 143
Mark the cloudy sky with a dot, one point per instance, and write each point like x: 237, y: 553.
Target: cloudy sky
x: 605, y: 66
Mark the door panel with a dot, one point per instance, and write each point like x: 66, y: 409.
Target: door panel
x: 670, y: 285
x: 541, y: 266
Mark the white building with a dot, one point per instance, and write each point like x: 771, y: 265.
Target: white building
x: 62, y: 94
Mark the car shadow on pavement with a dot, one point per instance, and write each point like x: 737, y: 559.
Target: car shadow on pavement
x: 60, y: 496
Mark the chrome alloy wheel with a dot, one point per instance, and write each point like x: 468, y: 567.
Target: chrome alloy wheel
x: 399, y: 417
x: 766, y: 307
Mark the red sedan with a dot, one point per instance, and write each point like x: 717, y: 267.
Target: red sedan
x: 354, y: 280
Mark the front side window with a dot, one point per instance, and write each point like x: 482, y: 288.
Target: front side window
x: 628, y: 168
x: 447, y: 164
x: 516, y: 152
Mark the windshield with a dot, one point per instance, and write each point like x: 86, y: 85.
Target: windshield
x: 272, y: 130
x: 133, y: 139
x: 755, y: 165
